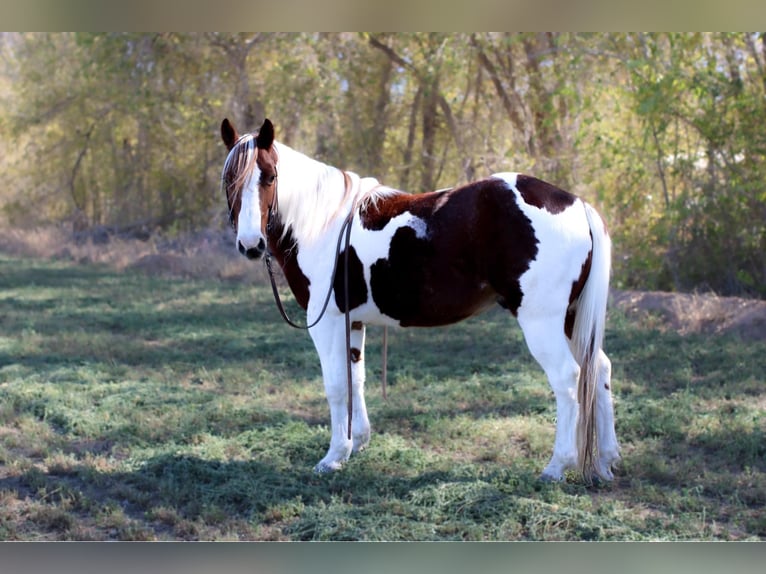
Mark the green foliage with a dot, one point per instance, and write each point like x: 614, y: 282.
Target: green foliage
x: 661, y: 131
x: 111, y: 131
x: 137, y: 408
x: 700, y: 167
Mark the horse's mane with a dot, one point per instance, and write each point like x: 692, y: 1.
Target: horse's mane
x: 309, y: 213
x: 368, y: 198
x: 325, y: 195
x: 241, y: 161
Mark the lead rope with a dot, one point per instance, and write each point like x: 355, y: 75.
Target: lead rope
x: 384, y: 374
x: 347, y: 317
x: 345, y: 230
x: 275, y: 290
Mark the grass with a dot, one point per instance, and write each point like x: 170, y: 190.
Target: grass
x: 146, y: 408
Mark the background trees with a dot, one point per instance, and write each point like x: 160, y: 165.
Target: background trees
x: 663, y: 132
x: 693, y: 199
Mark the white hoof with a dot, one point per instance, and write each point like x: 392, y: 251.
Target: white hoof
x: 554, y: 471
x: 604, y: 473
x: 548, y: 477
x: 604, y: 467
x: 361, y: 442
x: 326, y: 467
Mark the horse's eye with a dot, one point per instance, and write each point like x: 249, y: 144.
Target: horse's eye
x: 268, y: 179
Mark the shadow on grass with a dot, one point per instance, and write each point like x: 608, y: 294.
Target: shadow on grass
x: 62, y: 315
x: 180, y: 496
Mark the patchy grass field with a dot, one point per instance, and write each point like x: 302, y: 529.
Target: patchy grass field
x: 144, y: 408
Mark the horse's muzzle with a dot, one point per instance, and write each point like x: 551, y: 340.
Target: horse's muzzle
x: 252, y: 252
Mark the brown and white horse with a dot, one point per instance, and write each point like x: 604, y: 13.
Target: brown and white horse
x: 432, y: 259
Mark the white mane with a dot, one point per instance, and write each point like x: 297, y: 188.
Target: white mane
x: 313, y: 195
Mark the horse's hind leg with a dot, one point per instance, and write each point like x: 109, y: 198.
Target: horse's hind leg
x: 549, y: 346
x: 608, y: 448
x: 330, y: 342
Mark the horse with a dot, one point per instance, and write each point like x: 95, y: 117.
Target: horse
x: 427, y: 260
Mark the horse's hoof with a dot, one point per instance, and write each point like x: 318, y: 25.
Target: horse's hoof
x: 545, y: 477
x: 327, y: 467
x: 604, y: 467
x: 603, y: 475
x: 360, y: 443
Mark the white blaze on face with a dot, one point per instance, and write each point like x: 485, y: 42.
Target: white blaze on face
x: 250, y: 238
x: 249, y: 223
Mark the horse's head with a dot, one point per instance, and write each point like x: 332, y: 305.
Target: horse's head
x: 249, y: 179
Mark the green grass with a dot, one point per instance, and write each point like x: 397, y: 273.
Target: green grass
x: 139, y: 408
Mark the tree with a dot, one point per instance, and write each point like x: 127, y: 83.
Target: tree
x: 101, y: 116
x: 663, y: 132
x: 697, y: 98
x: 424, y: 58
x: 539, y: 80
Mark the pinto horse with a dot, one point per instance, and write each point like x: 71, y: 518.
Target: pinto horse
x: 432, y: 259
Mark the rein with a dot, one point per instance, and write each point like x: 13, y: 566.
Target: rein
x: 345, y: 231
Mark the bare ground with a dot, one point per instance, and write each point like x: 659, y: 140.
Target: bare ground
x: 689, y: 313
x: 211, y: 254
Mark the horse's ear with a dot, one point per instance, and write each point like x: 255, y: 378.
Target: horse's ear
x: 265, y: 135
x: 228, y: 134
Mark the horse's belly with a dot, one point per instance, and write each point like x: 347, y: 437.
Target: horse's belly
x: 431, y: 304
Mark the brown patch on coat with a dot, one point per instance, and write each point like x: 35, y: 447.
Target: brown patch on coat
x: 266, y: 160
x: 356, y: 355
x: 357, y: 325
x: 577, y: 287
x: 377, y: 215
x: 357, y: 287
x: 285, y: 251
x: 477, y: 245
x: 543, y: 195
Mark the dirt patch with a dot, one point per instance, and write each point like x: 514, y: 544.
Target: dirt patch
x: 689, y: 313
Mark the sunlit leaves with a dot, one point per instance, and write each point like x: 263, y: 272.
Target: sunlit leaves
x: 663, y: 132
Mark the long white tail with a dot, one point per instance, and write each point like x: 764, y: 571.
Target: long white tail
x: 588, y: 338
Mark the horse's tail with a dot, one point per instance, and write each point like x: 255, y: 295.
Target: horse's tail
x: 588, y: 336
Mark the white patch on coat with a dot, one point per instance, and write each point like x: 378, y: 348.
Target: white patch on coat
x: 370, y: 246
x: 563, y: 245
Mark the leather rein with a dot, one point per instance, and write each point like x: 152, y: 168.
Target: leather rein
x: 345, y: 233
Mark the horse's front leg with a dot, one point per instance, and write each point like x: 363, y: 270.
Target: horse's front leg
x: 360, y: 423
x: 330, y: 341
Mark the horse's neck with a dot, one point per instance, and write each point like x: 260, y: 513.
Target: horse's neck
x: 311, y: 194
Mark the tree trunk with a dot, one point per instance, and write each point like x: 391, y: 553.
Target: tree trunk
x: 404, y: 180
x: 429, y: 124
